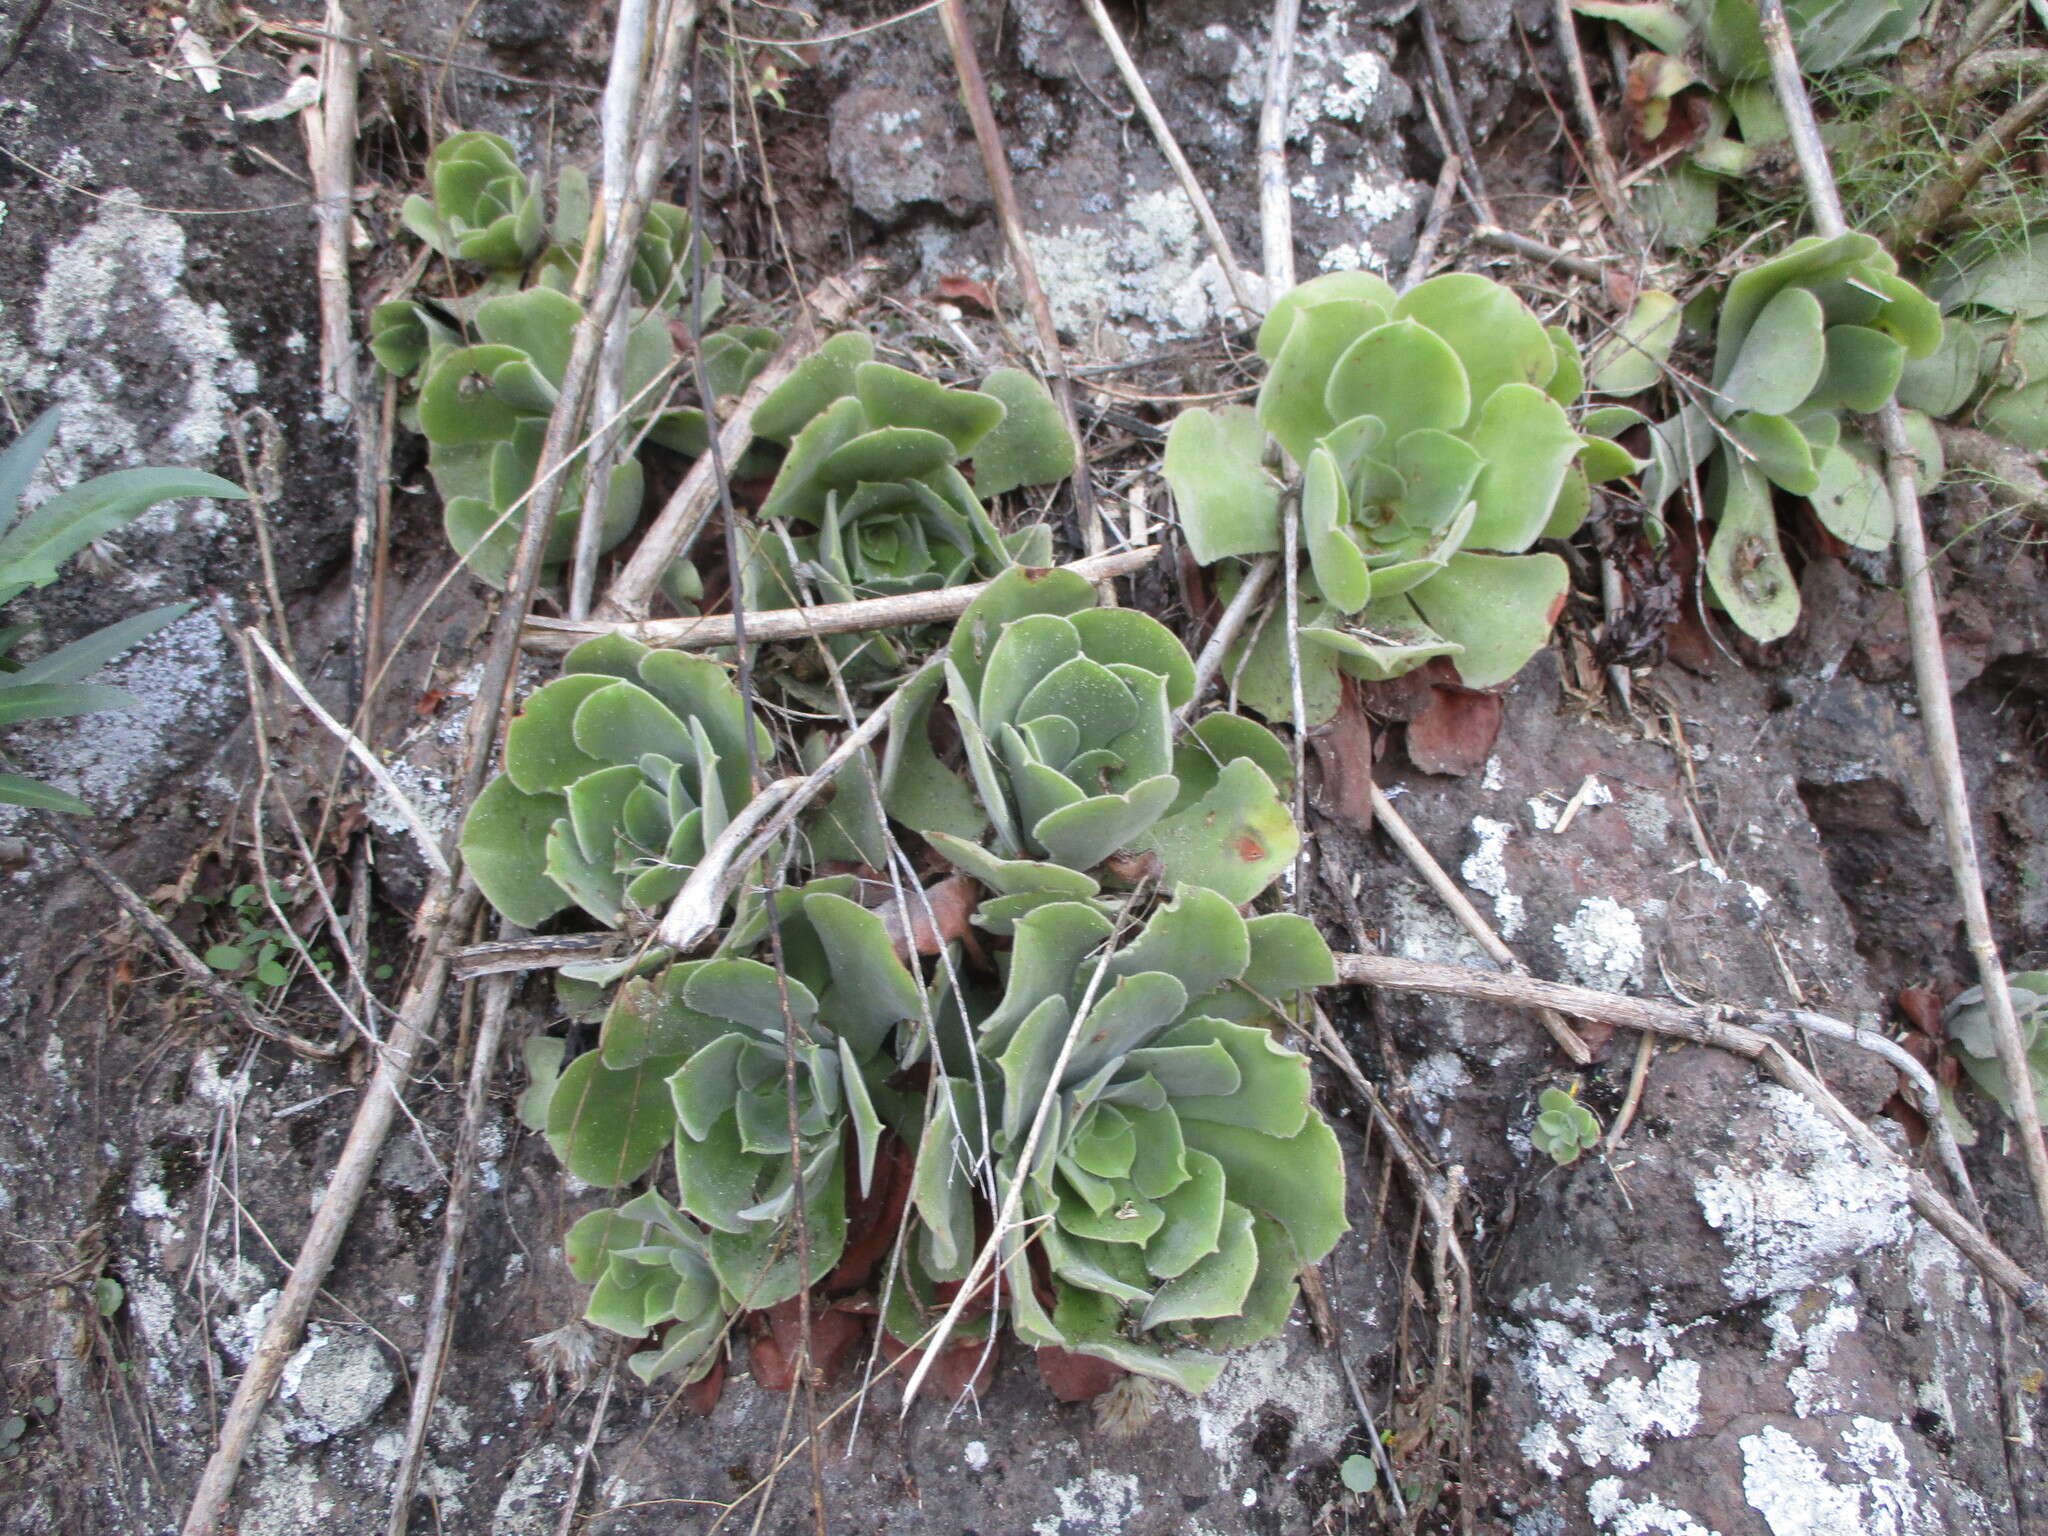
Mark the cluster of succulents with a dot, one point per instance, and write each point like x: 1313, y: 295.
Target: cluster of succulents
x: 1702, y: 86
x: 34, y: 544
x: 1435, y: 446
x: 819, y: 1071
x: 1993, y: 357
x: 1801, y: 340
x: 488, y: 361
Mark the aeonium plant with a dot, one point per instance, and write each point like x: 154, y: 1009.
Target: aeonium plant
x: 1064, y: 711
x: 1175, y: 1175
x: 618, y: 775
x: 1431, y: 448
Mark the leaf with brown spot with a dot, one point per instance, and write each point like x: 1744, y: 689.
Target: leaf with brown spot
x: 1456, y: 733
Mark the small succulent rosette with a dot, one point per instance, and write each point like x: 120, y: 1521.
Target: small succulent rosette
x: 1064, y: 712
x: 482, y: 207
x: 1973, y: 1043
x: 1175, y: 1174
x: 1822, y: 330
x: 618, y: 775
x: 873, y: 498
x: 1993, y: 290
x: 1435, y: 448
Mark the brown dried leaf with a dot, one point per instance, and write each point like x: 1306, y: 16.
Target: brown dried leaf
x: 937, y: 918
x: 1456, y: 732
x: 777, y: 1335
x: 956, y: 289
x: 1075, y: 1378
x: 1343, y: 750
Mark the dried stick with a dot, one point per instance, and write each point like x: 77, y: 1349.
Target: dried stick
x: 1536, y: 250
x: 440, y: 1322
x: 1606, y: 178
x: 556, y: 636
x: 673, y: 530
x: 429, y: 845
x: 1433, y: 223
x: 1461, y: 136
x: 1923, y: 619
x: 574, y: 1494
x: 1010, y: 214
x: 196, y: 970
x: 1169, y: 146
x: 1276, y: 210
x: 1469, y: 917
x: 1997, y: 67
x: 447, y: 903
x: 617, y: 118
x: 1932, y: 208
x: 331, y: 149
x: 1740, y: 1030
x: 1228, y: 627
x: 695, y: 912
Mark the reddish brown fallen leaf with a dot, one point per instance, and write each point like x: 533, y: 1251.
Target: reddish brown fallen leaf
x: 1922, y: 1005
x: 1075, y: 1378
x: 872, y: 1221
x: 1343, y: 750
x: 700, y: 1397
x: 1455, y: 734
x: 963, y: 1366
x: 429, y: 701
x: 957, y: 289
x: 776, y: 1334
x: 1403, y: 698
x: 937, y: 918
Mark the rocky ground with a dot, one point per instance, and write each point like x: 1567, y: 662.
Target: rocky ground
x: 1733, y: 1324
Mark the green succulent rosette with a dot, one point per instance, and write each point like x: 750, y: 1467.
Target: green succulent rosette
x: 1065, y: 715
x: 649, y: 1270
x: 482, y: 207
x: 1434, y: 444
x: 1181, y: 1176
x: 1993, y: 290
x: 1801, y: 340
x: 618, y: 775
x: 1974, y: 1043
x: 873, y: 497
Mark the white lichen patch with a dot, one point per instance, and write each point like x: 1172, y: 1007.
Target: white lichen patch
x: 112, y: 308
x: 1618, y: 1515
x: 1602, y: 945
x: 425, y: 791
x: 1485, y: 869
x: 1434, y: 1082
x: 530, y: 1504
x: 1806, y: 1326
x: 1800, y: 1204
x: 1306, y: 1388
x: 1101, y: 1500
x: 1606, y: 1390
x: 1148, y: 270
x: 333, y: 1384
x: 178, y: 678
x: 1870, y: 1493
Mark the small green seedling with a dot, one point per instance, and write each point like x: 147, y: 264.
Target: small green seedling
x: 1564, y: 1127
x: 1435, y: 446
x: 260, y: 954
x: 1358, y: 1473
x: 33, y: 545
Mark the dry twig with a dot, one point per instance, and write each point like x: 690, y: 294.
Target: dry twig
x: 1276, y: 209
x: 1923, y: 618
x: 1606, y: 178
x: 1169, y: 146
x: 1934, y: 206
x: 553, y: 636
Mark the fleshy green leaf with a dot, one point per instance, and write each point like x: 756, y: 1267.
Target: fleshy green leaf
x: 1228, y: 503
x: 1030, y: 445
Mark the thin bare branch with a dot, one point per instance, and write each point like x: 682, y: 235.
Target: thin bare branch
x: 1276, y: 207
x: 1606, y: 178
x: 558, y: 636
x: 1249, y: 589
x: 1169, y: 146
